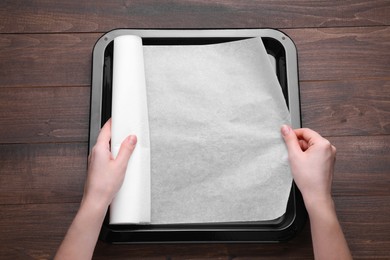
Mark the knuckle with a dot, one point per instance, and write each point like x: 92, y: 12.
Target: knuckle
x: 325, y: 144
x: 96, y: 151
x: 93, y: 151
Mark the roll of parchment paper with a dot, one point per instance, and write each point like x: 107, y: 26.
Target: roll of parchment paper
x: 130, y: 116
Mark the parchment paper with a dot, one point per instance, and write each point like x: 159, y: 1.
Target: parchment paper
x: 216, y: 152
x: 130, y: 116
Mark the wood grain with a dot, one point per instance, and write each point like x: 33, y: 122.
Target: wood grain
x: 33, y: 231
x: 101, y: 16
x: 362, y: 166
x: 365, y: 226
x: 42, y: 173
x: 342, y: 53
x: 45, y: 76
x: 47, y: 114
x: 323, y: 54
x: 55, y: 173
x: 38, y: 114
x: 46, y: 59
x: 354, y: 107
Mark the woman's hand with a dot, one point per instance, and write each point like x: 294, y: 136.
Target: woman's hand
x: 106, y: 174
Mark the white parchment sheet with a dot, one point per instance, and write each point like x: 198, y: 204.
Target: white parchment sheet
x: 215, y: 113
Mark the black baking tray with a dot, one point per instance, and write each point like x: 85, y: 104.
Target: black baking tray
x: 277, y: 45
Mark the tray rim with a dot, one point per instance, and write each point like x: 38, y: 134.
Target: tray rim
x: 294, y: 106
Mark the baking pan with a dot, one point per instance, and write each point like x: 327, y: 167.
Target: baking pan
x: 283, y: 51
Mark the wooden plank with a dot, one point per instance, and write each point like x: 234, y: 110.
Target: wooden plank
x: 364, y: 210
x: 167, y: 251
x: 26, y: 230
x: 366, y: 224
x: 353, y: 107
x: 34, y: 231
x: 55, y: 173
x: 100, y: 16
x: 364, y: 221
x: 342, y: 53
x: 362, y: 166
x: 344, y: 67
x: 61, y: 114
x: 46, y: 59
x: 65, y: 59
x: 56, y: 114
x: 42, y: 173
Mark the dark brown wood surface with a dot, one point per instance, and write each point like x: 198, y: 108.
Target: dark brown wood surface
x: 45, y: 80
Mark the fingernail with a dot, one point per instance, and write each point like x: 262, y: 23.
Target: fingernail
x: 132, y: 139
x: 285, y: 130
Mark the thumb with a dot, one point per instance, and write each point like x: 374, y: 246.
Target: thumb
x: 291, y: 140
x: 126, y: 150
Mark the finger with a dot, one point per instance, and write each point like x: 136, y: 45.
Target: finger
x: 310, y: 136
x: 126, y: 149
x: 334, y: 150
x: 105, y: 134
x: 291, y: 140
x: 304, y: 145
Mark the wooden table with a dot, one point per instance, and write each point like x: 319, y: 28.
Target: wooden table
x: 45, y: 82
